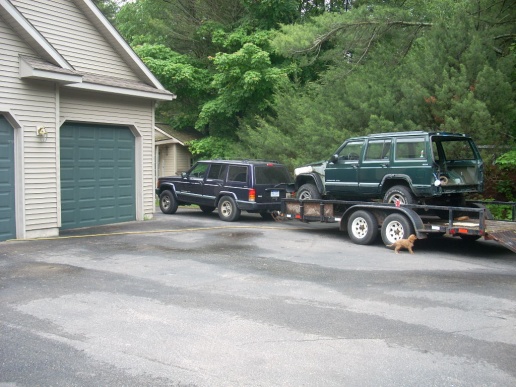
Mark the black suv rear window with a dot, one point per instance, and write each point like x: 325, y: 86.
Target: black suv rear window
x: 237, y: 173
x: 272, y: 175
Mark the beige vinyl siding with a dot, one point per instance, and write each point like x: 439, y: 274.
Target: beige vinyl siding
x: 69, y: 31
x: 33, y: 103
x: 173, y: 160
x: 183, y: 157
x: 78, y: 106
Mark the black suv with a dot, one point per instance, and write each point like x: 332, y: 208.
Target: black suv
x: 410, y: 167
x: 230, y: 186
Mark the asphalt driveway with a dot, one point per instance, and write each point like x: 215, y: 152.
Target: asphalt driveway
x: 188, y: 300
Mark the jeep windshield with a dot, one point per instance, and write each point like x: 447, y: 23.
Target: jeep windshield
x: 272, y: 175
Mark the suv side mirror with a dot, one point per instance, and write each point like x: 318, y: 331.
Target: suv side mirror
x: 184, y: 175
x: 334, y: 158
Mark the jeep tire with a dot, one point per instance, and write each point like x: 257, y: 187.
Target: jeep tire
x: 308, y: 191
x: 401, y: 193
x: 167, y: 202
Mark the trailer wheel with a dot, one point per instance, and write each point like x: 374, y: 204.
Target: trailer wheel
x: 396, y: 227
x: 167, y: 202
x: 362, y: 227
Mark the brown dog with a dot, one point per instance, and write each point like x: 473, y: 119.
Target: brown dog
x: 404, y: 243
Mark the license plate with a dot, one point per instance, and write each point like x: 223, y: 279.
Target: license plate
x: 274, y: 194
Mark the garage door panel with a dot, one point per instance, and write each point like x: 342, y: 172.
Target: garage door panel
x: 7, y: 210
x: 101, y: 181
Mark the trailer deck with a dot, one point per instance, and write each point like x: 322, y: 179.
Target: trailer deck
x: 469, y: 223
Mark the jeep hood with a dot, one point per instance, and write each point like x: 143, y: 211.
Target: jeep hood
x: 317, y: 167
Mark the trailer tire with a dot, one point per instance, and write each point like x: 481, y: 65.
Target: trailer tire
x: 396, y: 227
x: 362, y: 227
x: 167, y: 202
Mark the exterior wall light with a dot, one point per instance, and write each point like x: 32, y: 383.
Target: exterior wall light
x: 42, y: 133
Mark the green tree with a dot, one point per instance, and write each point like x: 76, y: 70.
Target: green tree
x: 398, y: 65
x: 108, y: 7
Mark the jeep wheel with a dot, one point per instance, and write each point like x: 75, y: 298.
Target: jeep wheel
x: 207, y: 209
x: 228, y: 210
x: 307, y: 192
x: 401, y: 193
x: 396, y: 227
x: 167, y: 202
x: 362, y: 227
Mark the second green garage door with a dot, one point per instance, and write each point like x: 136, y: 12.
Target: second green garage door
x: 97, y: 175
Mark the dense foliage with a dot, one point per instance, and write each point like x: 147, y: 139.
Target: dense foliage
x: 290, y: 80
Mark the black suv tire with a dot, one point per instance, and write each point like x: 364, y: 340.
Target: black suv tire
x: 308, y: 191
x: 167, y: 202
x: 228, y: 210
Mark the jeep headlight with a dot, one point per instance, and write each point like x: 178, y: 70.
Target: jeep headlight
x: 303, y: 170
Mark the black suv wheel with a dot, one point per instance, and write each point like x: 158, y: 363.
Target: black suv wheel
x: 228, y: 210
x: 167, y: 202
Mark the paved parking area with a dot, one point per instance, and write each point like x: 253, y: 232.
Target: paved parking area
x: 188, y: 300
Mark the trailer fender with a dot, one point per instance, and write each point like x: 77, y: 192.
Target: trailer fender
x: 381, y: 211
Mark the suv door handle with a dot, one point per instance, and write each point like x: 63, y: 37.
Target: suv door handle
x: 385, y: 165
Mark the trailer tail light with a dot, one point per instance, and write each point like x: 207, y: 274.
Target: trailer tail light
x: 252, y: 195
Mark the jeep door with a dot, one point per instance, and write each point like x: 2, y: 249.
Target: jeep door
x: 341, y: 175
x: 375, y: 166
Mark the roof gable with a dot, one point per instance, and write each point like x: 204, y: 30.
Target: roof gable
x: 89, y: 46
x: 182, y: 137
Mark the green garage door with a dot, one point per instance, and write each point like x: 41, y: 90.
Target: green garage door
x: 97, y: 175
x: 7, y: 212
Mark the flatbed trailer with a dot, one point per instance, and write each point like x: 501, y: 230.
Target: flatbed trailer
x: 364, y: 220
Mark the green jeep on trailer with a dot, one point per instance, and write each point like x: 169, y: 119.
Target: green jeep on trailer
x: 417, y: 167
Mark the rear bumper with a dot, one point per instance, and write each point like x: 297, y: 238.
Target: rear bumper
x: 258, y: 207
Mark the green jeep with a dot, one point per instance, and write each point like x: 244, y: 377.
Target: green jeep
x: 412, y: 167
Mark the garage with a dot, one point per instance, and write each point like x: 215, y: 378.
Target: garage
x: 7, y: 211
x: 97, y: 175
